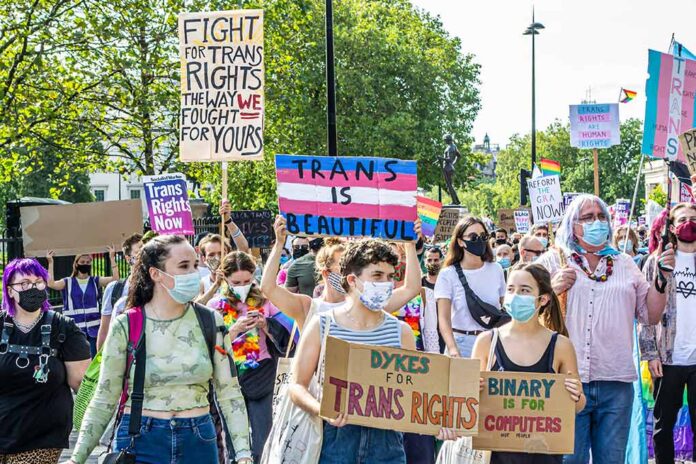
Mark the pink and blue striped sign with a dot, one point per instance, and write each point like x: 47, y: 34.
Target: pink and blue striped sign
x: 348, y: 196
x: 670, y: 109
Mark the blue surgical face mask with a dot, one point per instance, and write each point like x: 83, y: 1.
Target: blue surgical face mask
x: 595, y: 233
x: 504, y: 262
x: 520, y: 307
x: 186, y: 286
x: 284, y: 259
x: 628, y: 243
x: 544, y: 241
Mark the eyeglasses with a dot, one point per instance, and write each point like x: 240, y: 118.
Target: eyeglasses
x: 590, y: 218
x: 475, y: 236
x: 301, y: 248
x: 534, y: 252
x: 22, y: 286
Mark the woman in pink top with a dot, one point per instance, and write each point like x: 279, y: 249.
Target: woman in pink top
x: 606, y: 293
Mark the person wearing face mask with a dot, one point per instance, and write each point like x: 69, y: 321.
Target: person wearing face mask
x: 530, y: 249
x: 302, y: 273
x: 670, y: 349
x: 470, y: 251
x: 367, y: 270
x: 35, y: 399
x: 541, y: 233
x: 117, y: 290
x: 80, y: 293
x: 432, y: 342
x: 516, y: 237
x: 533, y: 341
x: 504, y: 257
x: 248, y: 314
x: 626, y: 241
x: 176, y: 425
x: 501, y: 237
x: 211, y: 248
x: 606, y: 293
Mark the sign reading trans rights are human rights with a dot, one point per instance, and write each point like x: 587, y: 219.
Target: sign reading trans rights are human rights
x: 348, y: 196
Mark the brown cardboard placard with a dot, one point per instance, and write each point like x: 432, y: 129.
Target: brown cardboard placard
x: 525, y: 412
x: 688, y: 145
x: 81, y: 228
x: 394, y: 389
x: 506, y: 219
x: 449, y: 217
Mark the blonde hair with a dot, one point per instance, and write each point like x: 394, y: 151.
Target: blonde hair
x: 326, y: 257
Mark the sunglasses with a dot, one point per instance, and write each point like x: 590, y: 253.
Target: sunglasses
x: 534, y: 252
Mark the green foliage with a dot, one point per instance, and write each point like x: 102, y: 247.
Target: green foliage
x: 658, y: 195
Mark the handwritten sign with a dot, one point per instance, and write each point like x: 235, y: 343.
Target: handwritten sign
x: 348, y: 196
x: 393, y: 389
x: 429, y: 213
x: 622, y: 209
x: 222, y: 85
x: 547, y: 200
x: 568, y: 198
x: 506, y: 219
x: 525, y: 412
x: 594, y: 125
x: 168, y: 205
x: 449, y: 217
x: 257, y: 227
x: 686, y: 194
x: 522, y: 220
x: 687, y: 142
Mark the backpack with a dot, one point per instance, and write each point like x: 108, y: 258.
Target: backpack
x: 117, y: 292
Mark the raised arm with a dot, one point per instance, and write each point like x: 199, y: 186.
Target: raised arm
x: 412, y: 279
x: 104, y: 281
x: 52, y: 283
x: 238, y: 237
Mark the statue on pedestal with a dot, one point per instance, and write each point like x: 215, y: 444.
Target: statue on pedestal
x: 448, y: 160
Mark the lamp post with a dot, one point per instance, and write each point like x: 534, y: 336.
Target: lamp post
x: 533, y: 29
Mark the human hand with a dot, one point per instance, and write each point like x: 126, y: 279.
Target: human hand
x: 667, y: 260
x: 447, y: 434
x: 481, y: 384
x: 241, y: 325
x: 655, y: 368
x: 574, y: 387
x: 112, y: 252
x: 225, y: 209
x: 49, y: 256
x: 281, y: 230
x: 219, y: 278
x: 339, y: 421
x: 259, y: 321
x: 453, y: 352
x: 563, y: 280
x: 418, y: 228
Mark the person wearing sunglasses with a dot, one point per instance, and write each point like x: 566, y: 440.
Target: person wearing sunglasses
x: 530, y: 249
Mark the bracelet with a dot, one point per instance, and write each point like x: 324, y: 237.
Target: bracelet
x: 237, y: 234
x: 661, y: 279
x: 228, y: 221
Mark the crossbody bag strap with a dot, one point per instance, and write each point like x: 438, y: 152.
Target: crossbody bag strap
x: 138, y: 393
x: 491, y: 351
x: 462, y: 277
x: 292, y: 339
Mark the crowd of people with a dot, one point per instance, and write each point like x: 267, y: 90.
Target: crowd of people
x: 188, y: 343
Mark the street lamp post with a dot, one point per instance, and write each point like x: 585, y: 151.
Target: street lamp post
x: 533, y: 29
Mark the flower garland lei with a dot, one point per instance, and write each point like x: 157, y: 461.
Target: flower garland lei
x: 410, y: 314
x: 245, y: 348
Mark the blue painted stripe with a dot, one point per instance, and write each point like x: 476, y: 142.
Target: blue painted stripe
x: 350, y: 163
x: 651, y: 86
x: 310, y: 224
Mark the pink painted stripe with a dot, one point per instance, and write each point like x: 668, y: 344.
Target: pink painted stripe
x: 360, y: 210
x: 663, y: 89
x: 403, y: 182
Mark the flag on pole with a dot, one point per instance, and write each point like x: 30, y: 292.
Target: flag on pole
x: 680, y: 50
x: 550, y: 167
x: 627, y: 95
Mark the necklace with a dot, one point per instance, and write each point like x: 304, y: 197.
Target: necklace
x: 26, y: 328
x: 601, y: 278
x: 355, y: 321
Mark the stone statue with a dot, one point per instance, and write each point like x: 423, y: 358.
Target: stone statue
x: 448, y: 160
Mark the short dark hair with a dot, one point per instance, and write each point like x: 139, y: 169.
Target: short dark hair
x: 435, y: 249
x: 128, y: 243
x: 364, y: 252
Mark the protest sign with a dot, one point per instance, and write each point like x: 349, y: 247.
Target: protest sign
x: 81, y: 228
x: 622, y: 209
x: 525, y: 412
x: 546, y: 198
x: 568, y: 198
x: 594, y: 125
x: 394, y: 389
x: 449, y: 217
x: 506, y: 219
x: 349, y: 196
x: 687, y: 142
x: 257, y: 227
x: 522, y: 220
x: 669, y: 111
x: 652, y: 211
x: 429, y: 213
x: 222, y: 85
x: 686, y: 194
x: 168, y: 205
x: 641, y: 220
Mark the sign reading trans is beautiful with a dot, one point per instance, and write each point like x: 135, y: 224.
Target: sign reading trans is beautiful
x: 349, y: 196
x: 594, y: 125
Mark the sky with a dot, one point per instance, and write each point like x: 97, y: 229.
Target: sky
x: 601, y: 45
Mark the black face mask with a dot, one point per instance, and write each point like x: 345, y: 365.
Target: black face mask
x: 31, y: 300
x: 433, y: 269
x: 84, y: 268
x: 500, y: 241
x: 476, y: 247
x: 515, y: 241
x: 299, y: 252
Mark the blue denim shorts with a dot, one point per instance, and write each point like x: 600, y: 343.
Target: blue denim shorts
x: 171, y: 441
x: 355, y: 444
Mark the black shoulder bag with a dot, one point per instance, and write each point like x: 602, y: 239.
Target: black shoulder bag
x: 486, y: 315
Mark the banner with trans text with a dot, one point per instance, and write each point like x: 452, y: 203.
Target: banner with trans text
x: 168, y: 205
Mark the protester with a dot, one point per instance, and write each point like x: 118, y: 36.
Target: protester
x: 530, y: 249
x: 541, y: 232
x: 525, y: 344
x: 504, y: 256
x: 117, y: 289
x: 80, y: 293
x: 239, y: 241
x: 670, y: 349
x: 432, y: 342
x: 469, y: 249
x: 516, y: 238
x: 246, y: 313
x: 606, y: 292
x: 211, y: 250
x: 35, y: 399
x: 642, y: 236
x: 302, y: 272
x: 501, y: 237
x: 626, y: 241
x: 176, y: 424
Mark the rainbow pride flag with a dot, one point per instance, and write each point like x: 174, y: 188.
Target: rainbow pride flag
x: 429, y: 213
x: 550, y: 167
x: 627, y: 95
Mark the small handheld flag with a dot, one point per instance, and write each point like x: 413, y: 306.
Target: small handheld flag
x: 550, y: 167
x: 627, y: 95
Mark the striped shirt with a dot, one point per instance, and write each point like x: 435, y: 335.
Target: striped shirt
x: 388, y: 333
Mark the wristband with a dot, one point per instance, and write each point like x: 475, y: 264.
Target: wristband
x: 228, y: 221
x: 237, y: 234
x: 660, y: 283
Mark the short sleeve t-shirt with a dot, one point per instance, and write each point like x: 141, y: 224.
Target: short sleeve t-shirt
x: 39, y: 415
x: 302, y: 274
x: 488, y: 282
x: 107, y: 308
x: 684, y: 353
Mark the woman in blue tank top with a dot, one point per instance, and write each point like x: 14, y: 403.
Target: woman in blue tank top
x: 535, y: 340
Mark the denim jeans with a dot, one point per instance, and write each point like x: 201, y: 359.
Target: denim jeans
x: 175, y: 441
x: 465, y: 344
x: 603, y: 425
x: 355, y: 444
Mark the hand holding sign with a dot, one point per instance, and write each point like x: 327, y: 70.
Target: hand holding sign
x: 281, y: 230
x: 225, y: 209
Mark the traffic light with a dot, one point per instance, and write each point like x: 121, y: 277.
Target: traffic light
x: 524, y: 191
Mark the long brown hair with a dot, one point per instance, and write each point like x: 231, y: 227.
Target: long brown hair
x: 74, y: 265
x: 240, y: 261
x: 550, y: 313
x: 154, y: 253
x: 455, y: 253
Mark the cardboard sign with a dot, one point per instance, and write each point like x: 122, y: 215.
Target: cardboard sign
x: 81, y: 228
x: 669, y: 111
x: 348, y: 196
x: 547, y: 200
x: 687, y: 141
x: 393, y: 389
x: 429, y: 213
x: 449, y: 217
x: 523, y: 220
x: 622, y: 209
x: 506, y: 219
x: 168, y: 205
x: 686, y: 194
x: 525, y: 412
x: 257, y: 227
x: 594, y: 125
x: 222, y: 85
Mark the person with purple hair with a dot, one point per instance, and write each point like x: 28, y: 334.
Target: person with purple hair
x: 43, y: 354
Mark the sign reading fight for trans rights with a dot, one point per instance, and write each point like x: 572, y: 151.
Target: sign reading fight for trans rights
x: 348, y: 196
x: 525, y: 412
x: 168, y: 205
x: 394, y: 389
x: 594, y: 126
x: 547, y: 200
x: 222, y: 83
